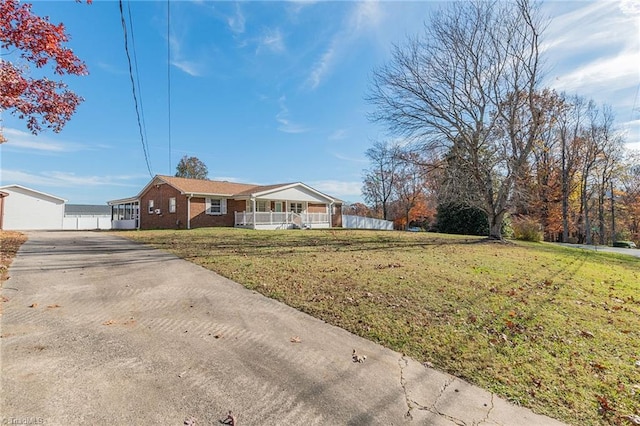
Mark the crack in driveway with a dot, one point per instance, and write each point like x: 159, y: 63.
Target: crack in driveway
x: 403, y: 363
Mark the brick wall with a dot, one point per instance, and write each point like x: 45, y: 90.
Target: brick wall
x: 160, y: 194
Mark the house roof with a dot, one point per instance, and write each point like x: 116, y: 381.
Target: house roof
x: 86, y: 209
x: 208, y: 187
x: 204, y: 187
x: 24, y: 189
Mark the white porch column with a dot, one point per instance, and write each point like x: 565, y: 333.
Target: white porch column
x: 330, y: 214
x: 253, y: 207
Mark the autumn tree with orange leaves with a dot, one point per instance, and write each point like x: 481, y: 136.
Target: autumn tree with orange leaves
x: 29, y: 39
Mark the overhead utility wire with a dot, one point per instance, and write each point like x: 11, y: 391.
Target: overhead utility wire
x: 169, y: 76
x: 135, y: 64
x: 133, y: 87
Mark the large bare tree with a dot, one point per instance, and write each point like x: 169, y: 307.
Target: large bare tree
x: 469, y: 80
x: 379, y: 178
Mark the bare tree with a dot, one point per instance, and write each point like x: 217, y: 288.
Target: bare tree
x: 379, y: 179
x: 409, y: 184
x: 469, y: 81
x: 570, y: 125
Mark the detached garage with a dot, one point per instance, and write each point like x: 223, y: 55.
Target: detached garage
x: 27, y: 209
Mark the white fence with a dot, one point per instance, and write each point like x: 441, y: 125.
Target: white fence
x: 360, y: 222
x: 86, y: 223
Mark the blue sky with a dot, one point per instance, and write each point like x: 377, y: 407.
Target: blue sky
x: 269, y: 92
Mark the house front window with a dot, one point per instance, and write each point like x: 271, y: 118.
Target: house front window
x: 261, y: 206
x: 172, y: 205
x: 216, y: 206
x: 295, y: 207
x: 150, y: 206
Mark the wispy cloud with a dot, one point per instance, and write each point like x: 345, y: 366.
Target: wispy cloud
x: 613, y: 72
x: 350, y: 159
x: 593, y: 50
x: 597, y: 46
x: 364, y: 16
x: 322, y: 66
x: 25, y: 141
x: 237, y: 21
x: 66, y: 179
x: 338, y: 135
x: 338, y: 188
x: 283, y: 117
x: 272, y: 41
x: 193, y: 68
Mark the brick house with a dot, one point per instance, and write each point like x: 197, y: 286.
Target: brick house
x: 168, y: 202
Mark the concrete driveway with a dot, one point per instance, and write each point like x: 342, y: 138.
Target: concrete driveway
x: 99, y: 330
x: 619, y: 250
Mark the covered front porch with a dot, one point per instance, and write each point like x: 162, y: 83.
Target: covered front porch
x: 297, y: 207
x: 281, y: 220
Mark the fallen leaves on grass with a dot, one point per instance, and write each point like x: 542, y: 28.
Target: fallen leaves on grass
x: 605, y: 406
x: 109, y: 322
x: 55, y: 305
x: 33, y: 305
x: 295, y: 339
x: 587, y: 334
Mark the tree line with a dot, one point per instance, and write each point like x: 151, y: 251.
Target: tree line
x: 471, y: 127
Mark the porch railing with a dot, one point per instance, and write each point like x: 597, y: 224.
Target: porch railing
x: 276, y: 218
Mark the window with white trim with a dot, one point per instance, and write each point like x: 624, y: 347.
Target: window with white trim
x: 261, y: 206
x: 150, y: 206
x: 295, y: 207
x: 172, y: 205
x: 216, y: 206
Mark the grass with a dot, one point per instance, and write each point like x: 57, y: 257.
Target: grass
x: 547, y: 327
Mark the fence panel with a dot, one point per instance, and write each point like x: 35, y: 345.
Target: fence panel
x: 360, y: 222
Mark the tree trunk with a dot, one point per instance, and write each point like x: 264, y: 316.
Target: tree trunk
x: 495, y: 226
x: 565, y: 196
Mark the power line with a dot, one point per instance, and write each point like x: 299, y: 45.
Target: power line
x: 135, y: 64
x: 133, y: 87
x: 169, y: 77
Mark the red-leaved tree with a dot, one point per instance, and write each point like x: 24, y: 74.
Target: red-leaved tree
x: 31, y: 39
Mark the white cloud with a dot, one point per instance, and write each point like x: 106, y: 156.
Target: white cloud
x: 338, y: 188
x: 286, y: 125
x: 25, y: 141
x: 271, y: 40
x: 364, y: 16
x: 593, y: 50
x: 65, y: 179
x: 193, y: 68
x: 237, y: 21
x: 338, y: 135
x: 321, y: 67
x: 354, y: 160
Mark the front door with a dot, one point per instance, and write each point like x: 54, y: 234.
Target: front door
x: 278, y: 206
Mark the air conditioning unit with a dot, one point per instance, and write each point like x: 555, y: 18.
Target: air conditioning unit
x: 157, y: 211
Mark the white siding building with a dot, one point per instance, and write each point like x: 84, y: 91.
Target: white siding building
x: 28, y: 209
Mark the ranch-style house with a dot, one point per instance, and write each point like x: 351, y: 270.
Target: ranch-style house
x: 168, y: 202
